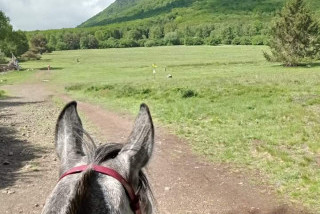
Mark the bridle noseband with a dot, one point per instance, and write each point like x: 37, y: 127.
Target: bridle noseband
x: 134, y: 198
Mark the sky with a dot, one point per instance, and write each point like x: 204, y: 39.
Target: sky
x: 50, y: 14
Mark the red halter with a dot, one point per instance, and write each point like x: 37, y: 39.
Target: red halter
x: 134, y: 199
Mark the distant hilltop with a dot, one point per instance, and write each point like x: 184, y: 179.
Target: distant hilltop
x: 189, y: 11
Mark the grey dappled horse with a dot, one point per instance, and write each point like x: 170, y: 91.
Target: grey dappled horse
x: 90, y: 192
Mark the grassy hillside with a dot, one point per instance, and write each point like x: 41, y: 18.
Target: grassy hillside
x: 188, y: 10
x: 230, y: 103
x: 128, y: 10
x: 147, y: 23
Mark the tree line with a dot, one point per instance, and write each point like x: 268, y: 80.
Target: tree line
x: 30, y: 45
x: 146, y: 36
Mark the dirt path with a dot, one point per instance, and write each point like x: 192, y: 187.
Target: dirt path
x: 182, y: 182
x: 27, y: 162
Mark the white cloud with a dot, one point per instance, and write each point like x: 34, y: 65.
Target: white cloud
x: 50, y: 14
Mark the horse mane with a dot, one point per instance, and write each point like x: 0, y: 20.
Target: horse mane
x: 97, y: 155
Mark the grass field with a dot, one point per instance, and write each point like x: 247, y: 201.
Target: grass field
x: 230, y: 103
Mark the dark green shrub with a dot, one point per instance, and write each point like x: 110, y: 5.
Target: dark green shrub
x: 134, y: 34
x: 227, y: 35
x: 193, y: 41
x: 146, y: 91
x: 150, y: 43
x: 88, y: 42
x: 185, y: 92
x: 61, y: 46
x: 104, y: 44
x: 93, y: 88
x: 84, y: 42
x: 236, y: 41
x: 245, y: 40
x: 52, y: 42
x: 126, y: 91
x: 171, y: 38
x: 141, y: 42
x: 189, y: 93
x: 257, y: 40
x: 110, y: 43
x: 72, y: 41
x: 99, y: 88
x: 76, y: 87
x: 213, y: 41
x: 30, y: 55
x: 128, y: 43
x: 156, y: 32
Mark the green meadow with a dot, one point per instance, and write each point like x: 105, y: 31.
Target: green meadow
x: 231, y: 105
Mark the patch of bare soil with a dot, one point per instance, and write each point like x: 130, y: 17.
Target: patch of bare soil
x: 27, y: 161
x: 182, y: 182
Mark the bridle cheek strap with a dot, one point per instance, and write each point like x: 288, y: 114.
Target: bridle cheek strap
x: 134, y: 199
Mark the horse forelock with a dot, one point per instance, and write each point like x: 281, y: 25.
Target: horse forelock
x: 78, y: 204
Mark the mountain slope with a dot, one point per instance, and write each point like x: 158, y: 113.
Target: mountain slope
x: 130, y: 10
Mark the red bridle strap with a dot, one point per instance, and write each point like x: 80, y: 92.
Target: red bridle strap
x: 134, y: 199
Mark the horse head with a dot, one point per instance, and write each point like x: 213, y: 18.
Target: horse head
x: 90, y: 191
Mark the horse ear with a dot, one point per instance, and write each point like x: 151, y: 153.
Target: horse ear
x: 138, y: 150
x: 68, y: 135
